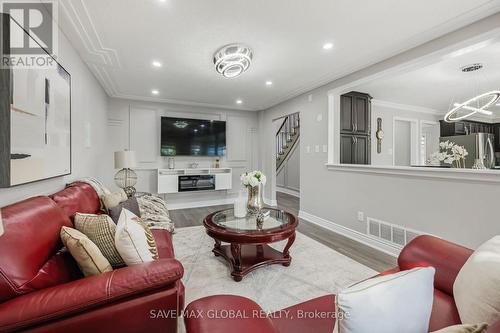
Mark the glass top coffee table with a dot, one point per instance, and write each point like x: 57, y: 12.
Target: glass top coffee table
x: 248, y: 239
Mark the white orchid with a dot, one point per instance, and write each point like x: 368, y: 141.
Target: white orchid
x: 450, y: 153
x: 254, y: 178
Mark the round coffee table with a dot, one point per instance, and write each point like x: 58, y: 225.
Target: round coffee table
x: 247, y: 247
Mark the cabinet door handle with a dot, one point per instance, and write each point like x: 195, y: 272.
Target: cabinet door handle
x: 353, y: 140
x: 353, y: 127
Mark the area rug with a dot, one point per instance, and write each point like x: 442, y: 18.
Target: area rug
x: 316, y: 270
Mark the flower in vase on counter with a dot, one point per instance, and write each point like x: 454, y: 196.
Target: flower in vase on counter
x: 254, y: 178
x: 449, y: 153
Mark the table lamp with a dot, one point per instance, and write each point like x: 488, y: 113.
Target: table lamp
x: 126, y: 178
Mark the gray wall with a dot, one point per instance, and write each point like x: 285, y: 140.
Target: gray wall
x: 288, y: 176
x: 88, y: 105
x: 143, y: 136
x: 448, y: 208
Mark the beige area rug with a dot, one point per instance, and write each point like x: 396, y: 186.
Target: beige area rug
x: 316, y: 270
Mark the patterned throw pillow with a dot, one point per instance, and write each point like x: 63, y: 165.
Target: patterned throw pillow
x: 101, y: 230
x: 134, y: 240
x: 86, y: 254
x: 130, y: 204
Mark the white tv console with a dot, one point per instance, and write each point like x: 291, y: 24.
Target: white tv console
x: 185, y: 180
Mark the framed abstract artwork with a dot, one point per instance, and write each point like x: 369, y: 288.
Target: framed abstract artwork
x: 35, y: 118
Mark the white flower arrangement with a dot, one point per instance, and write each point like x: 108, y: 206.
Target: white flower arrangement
x: 449, y: 153
x: 254, y: 178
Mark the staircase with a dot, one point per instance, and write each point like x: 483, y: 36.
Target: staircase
x: 287, y: 138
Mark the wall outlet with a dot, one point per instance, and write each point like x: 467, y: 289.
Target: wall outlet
x: 325, y: 149
x: 319, y: 117
x: 308, y: 149
x: 310, y: 98
x: 361, y: 217
x: 316, y: 148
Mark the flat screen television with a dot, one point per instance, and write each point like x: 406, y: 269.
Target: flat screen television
x: 192, y: 137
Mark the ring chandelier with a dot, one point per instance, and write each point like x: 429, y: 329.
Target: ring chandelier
x: 232, y: 60
x: 473, y: 105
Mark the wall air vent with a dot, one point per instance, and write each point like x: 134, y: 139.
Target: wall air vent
x: 390, y: 234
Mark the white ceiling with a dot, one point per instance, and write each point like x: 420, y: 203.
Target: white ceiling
x: 120, y: 38
x: 439, y: 85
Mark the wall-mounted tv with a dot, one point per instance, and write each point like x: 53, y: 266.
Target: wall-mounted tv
x: 192, y: 137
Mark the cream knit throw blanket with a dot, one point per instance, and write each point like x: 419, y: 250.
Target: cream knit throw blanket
x: 153, y: 209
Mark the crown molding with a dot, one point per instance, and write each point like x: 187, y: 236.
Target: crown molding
x: 406, y: 107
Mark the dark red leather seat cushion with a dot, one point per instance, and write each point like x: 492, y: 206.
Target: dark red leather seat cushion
x: 87, y: 293
x: 29, y: 248
x: 444, y: 312
x: 78, y: 198
x: 212, y: 314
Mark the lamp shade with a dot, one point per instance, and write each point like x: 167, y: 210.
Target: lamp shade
x: 125, y: 159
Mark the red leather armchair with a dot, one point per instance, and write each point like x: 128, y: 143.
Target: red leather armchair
x: 446, y: 257
x: 42, y: 289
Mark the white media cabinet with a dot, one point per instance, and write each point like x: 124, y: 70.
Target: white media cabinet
x: 186, y: 180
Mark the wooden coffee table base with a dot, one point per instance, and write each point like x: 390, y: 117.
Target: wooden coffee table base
x: 245, y: 258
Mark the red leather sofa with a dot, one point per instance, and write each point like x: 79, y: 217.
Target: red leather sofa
x: 210, y: 314
x: 42, y: 289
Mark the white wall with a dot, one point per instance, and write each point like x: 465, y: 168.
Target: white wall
x: 88, y: 104
x: 142, y: 134
x: 447, y: 208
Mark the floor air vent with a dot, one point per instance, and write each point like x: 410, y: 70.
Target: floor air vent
x: 390, y: 233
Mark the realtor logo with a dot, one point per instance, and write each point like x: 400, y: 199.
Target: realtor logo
x: 31, y: 33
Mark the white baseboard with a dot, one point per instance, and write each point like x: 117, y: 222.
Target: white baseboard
x: 197, y: 204
x: 288, y: 191
x: 350, y: 233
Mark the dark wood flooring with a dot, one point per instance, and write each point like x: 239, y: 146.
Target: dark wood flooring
x: 361, y: 253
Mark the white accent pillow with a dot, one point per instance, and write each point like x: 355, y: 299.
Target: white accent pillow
x: 477, y: 286
x: 134, y: 240
x: 395, y: 303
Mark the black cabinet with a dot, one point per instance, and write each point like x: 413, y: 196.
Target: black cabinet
x: 354, y: 149
x: 464, y: 128
x: 496, y: 131
x: 355, y: 111
x: 355, y: 128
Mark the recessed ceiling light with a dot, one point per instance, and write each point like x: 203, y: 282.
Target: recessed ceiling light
x: 156, y: 64
x: 239, y: 101
x: 327, y: 46
x: 269, y: 83
x: 155, y: 91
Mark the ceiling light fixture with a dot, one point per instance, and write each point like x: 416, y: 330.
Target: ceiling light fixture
x: 239, y: 101
x: 478, y: 104
x: 327, y: 46
x: 452, y: 116
x: 232, y: 60
x: 157, y: 64
x: 269, y: 83
x: 155, y: 91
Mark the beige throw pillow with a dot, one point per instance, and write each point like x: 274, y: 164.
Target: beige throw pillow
x: 134, y: 240
x: 101, y: 230
x: 479, y: 328
x: 111, y: 200
x: 477, y: 286
x: 86, y: 254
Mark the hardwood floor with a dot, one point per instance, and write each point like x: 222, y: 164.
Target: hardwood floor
x: 361, y: 253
